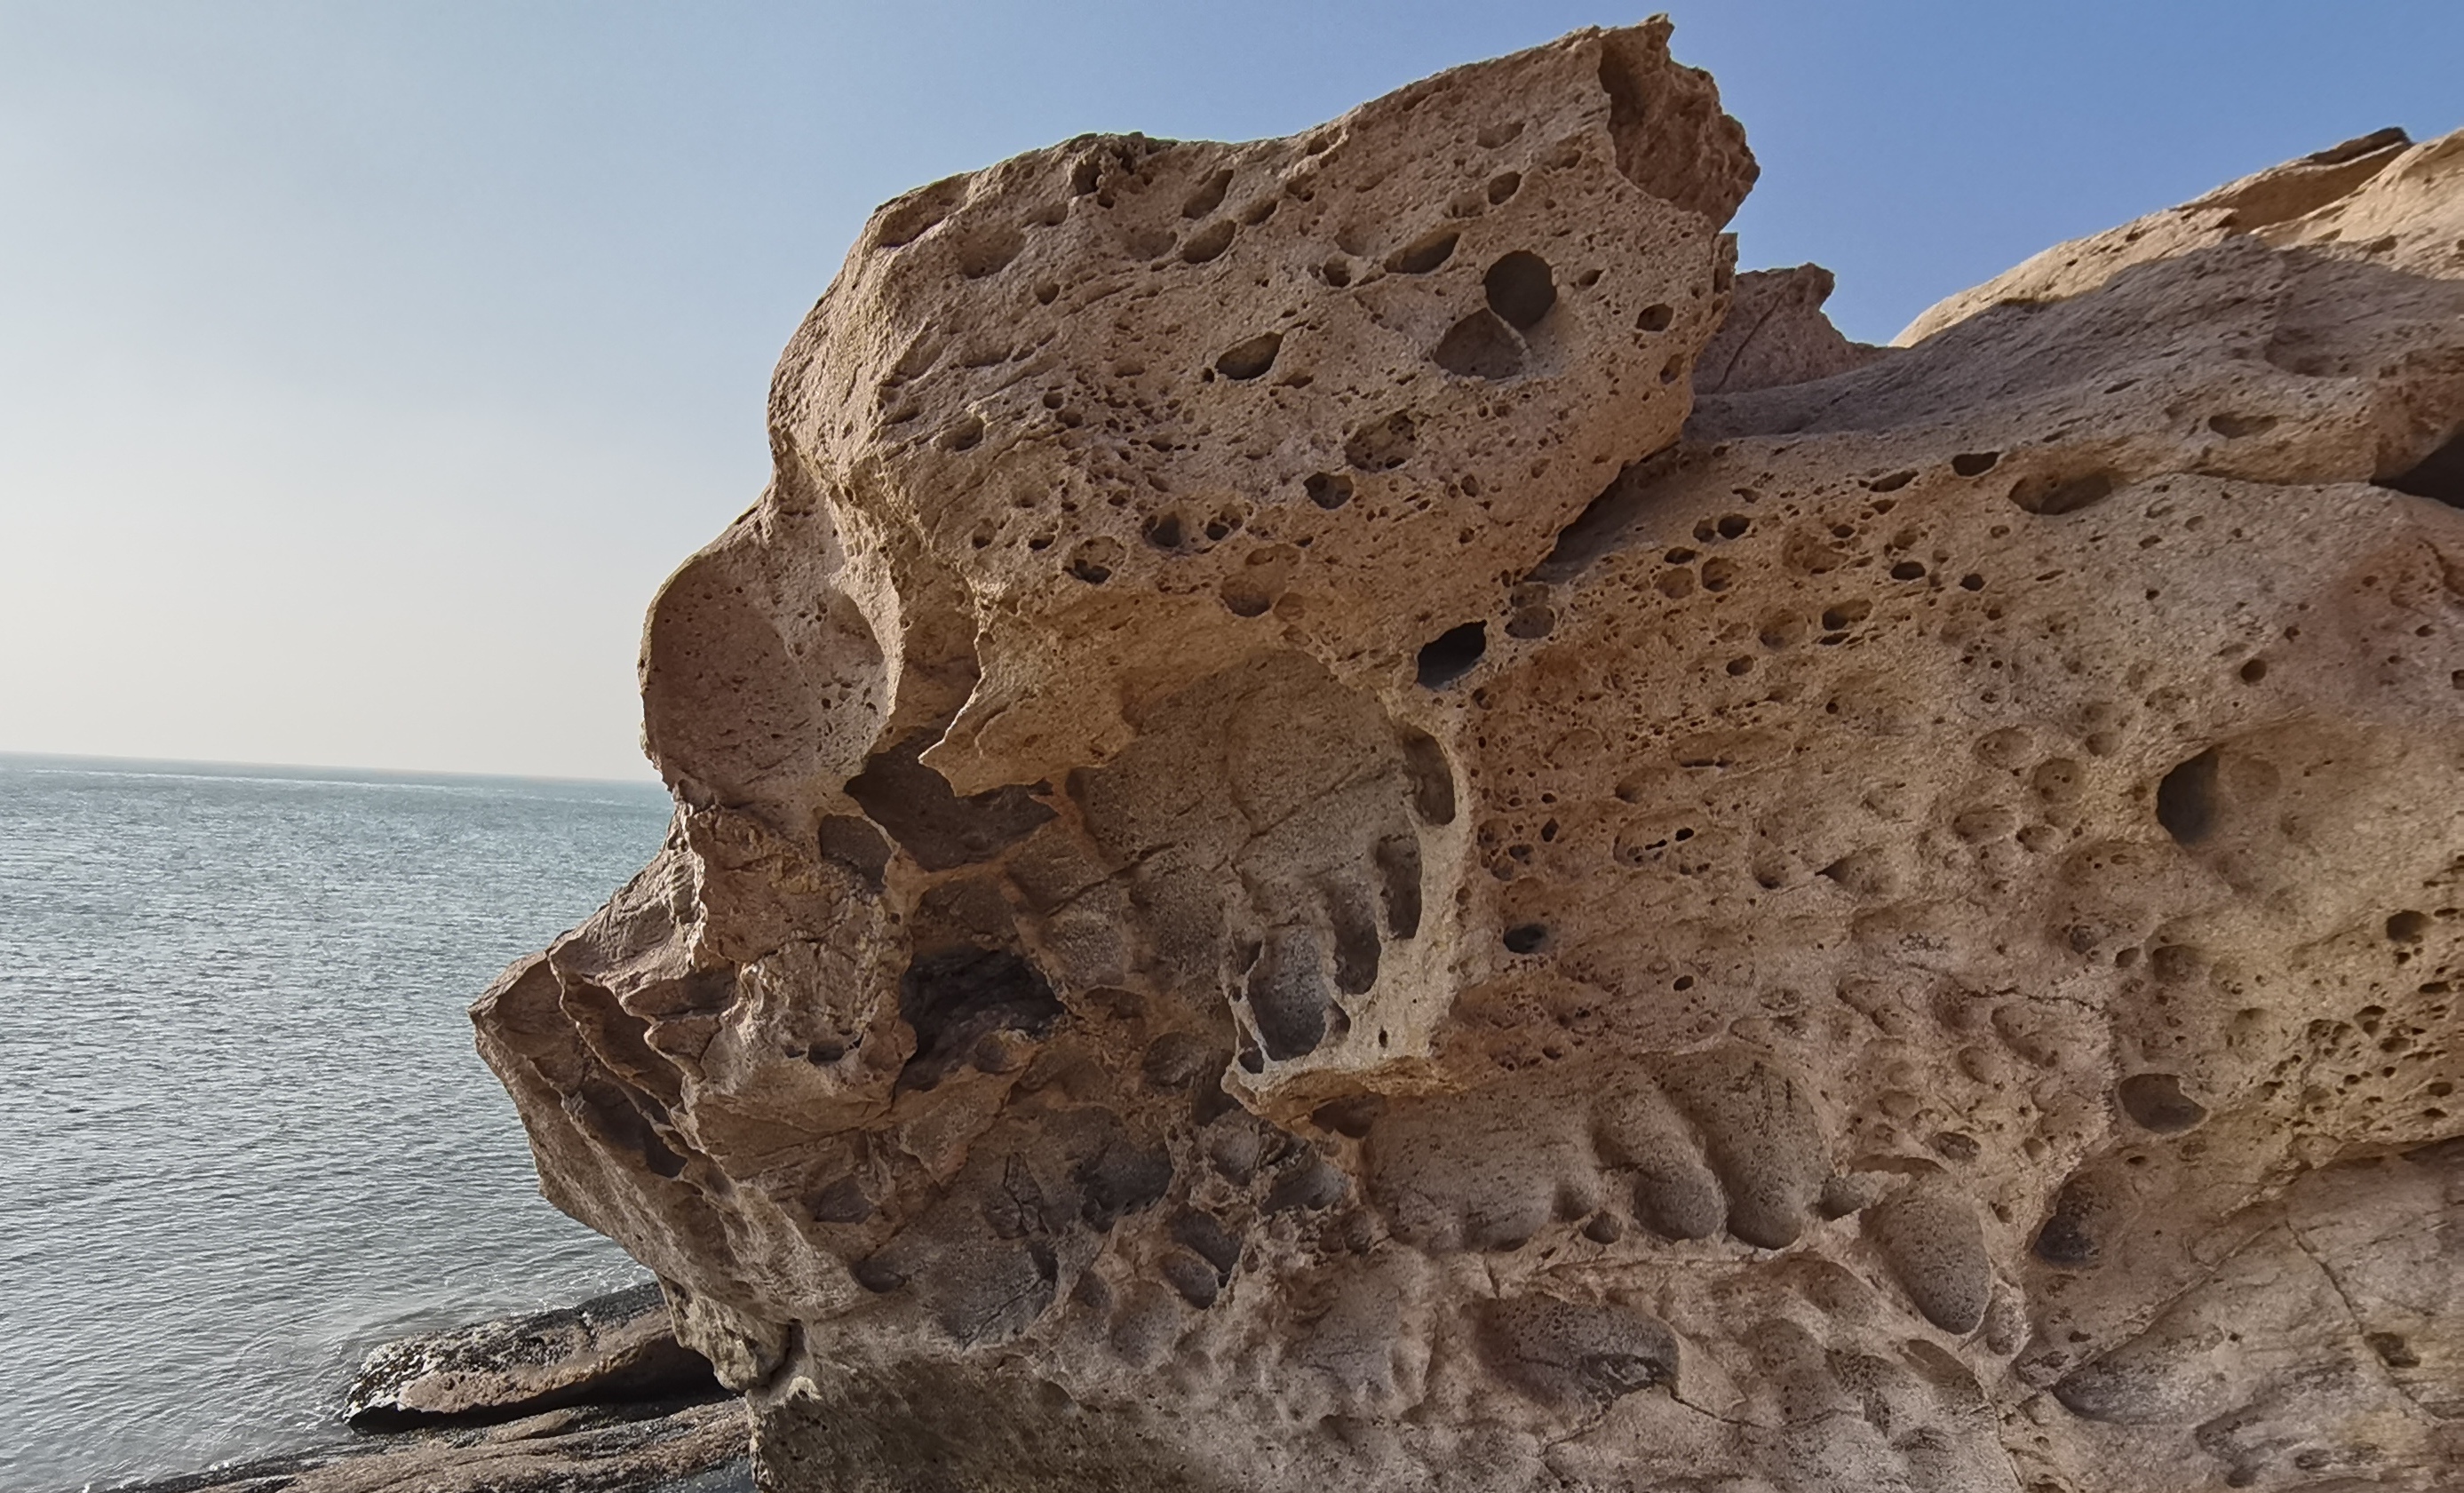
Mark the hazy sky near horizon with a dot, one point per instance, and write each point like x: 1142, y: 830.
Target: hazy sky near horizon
x: 364, y: 367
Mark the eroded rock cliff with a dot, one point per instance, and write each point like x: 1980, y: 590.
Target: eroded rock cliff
x: 1313, y: 852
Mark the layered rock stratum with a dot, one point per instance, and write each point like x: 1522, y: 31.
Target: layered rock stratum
x: 1349, y: 819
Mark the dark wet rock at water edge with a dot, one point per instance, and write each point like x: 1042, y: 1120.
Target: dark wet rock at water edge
x: 578, y: 1399
x: 654, y: 1446
x: 609, y: 1349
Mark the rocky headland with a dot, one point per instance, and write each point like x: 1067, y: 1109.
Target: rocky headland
x: 1351, y: 819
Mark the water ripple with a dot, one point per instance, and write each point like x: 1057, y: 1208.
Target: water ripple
x: 247, y: 1134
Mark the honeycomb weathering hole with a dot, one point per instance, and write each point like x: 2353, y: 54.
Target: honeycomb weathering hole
x: 1480, y: 346
x: 2155, y: 1102
x: 1383, y: 445
x: 2051, y: 495
x: 917, y: 806
x: 1252, y: 357
x: 1452, y: 654
x: 1423, y: 255
x: 2186, y: 800
x: 990, y: 252
x: 1287, y: 996
x: 1208, y: 197
x: 918, y: 213
x: 1327, y: 490
x: 1208, y: 243
x: 2438, y: 476
x: 1094, y: 559
x: 1520, y: 288
x: 956, y: 998
x: 2065, y: 1239
x: 1245, y: 597
x: 1431, y: 778
x: 1670, y: 137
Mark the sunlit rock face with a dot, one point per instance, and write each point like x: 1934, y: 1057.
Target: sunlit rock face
x: 1298, y: 865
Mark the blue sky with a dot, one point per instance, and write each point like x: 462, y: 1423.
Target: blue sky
x: 364, y: 366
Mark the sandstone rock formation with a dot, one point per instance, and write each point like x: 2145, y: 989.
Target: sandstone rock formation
x: 1298, y: 865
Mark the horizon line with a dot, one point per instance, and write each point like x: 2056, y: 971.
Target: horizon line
x: 220, y: 768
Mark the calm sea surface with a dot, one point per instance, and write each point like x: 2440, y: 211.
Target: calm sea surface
x: 246, y: 1134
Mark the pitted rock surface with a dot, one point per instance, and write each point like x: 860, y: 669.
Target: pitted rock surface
x: 1313, y: 850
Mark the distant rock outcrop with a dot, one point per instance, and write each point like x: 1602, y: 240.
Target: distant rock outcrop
x: 1326, y: 839
x: 1775, y: 333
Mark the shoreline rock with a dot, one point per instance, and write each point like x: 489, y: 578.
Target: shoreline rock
x: 590, y: 1399
x: 1349, y: 818
x: 614, y: 1349
x: 644, y: 1447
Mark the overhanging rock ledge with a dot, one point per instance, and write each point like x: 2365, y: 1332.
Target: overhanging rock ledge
x: 1297, y: 864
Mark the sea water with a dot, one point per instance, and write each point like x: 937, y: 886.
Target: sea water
x: 243, y: 1132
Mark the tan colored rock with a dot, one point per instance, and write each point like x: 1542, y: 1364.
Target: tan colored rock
x: 1775, y: 333
x: 1295, y: 868
x: 2378, y: 202
x: 2298, y: 201
x: 1072, y: 430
